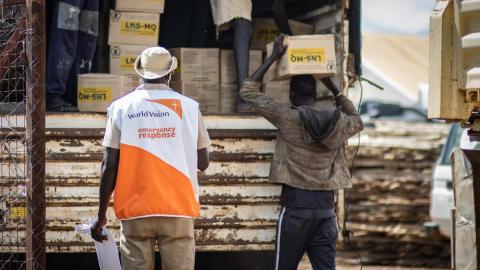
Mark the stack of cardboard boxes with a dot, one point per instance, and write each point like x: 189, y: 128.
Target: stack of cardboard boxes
x: 206, y: 75
x: 134, y: 26
x: 228, y: 78
x: 198, y: 76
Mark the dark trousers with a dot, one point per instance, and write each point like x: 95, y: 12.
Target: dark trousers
x: 71, y: 47
x: 298, y: 232
x: 187, y: 23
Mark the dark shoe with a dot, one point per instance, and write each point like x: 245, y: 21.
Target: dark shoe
x: 58, y: 104
x: 66, y: 108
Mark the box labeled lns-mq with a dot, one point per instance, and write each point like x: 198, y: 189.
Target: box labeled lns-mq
x: 122, y: 58
x: 312, y: 54
x: 135, y: 28
x: 96, y: 91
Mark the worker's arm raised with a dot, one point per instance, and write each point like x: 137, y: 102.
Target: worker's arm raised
x: 250, y: 91
x: 265, y: 105
x: 279, y: 49
x: 349, y: 124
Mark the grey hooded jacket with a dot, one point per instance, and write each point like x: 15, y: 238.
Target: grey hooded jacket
x: 298, y: 163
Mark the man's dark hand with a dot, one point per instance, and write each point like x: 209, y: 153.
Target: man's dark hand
x: 331, y: 86
x: 279, y: 46
x: 96, y: 230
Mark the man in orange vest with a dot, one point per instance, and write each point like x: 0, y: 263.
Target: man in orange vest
x: 155, y: 143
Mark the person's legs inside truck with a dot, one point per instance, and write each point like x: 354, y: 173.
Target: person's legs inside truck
x: 65, y: 59
x: 233, y: 20
x: 87, y: 43
x: 242, y: 33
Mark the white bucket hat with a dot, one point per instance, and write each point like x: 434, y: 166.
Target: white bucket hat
x: 155, y: 63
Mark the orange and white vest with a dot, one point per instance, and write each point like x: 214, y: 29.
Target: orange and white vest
x: 157, y: 171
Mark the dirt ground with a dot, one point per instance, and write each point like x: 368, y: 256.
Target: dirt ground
x: 305, y: 265
x: 357, y: 267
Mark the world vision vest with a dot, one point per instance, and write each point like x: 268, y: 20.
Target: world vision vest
x: 157, y: 171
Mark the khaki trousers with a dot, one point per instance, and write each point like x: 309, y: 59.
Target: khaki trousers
x: 174, y: 237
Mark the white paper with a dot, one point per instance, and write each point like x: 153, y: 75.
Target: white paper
x: 107, y: 253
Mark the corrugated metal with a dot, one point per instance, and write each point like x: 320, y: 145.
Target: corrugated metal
x: 239, y: 205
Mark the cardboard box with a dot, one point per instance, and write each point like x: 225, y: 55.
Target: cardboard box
x: 280, y: 90
x: 228, y: 98
x: 314, y: 54
x: 265, y: 31
x: 133, y: 28
x: 197, y: 65
x: 228, y: 70
x: 97, y: 91
x: 205, y: 93
x: 122, y: 58
x: 154, y: 6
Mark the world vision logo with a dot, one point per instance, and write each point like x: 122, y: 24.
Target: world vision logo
x: 173, y: 104
x: 307, y: 56
x: 139, y: 27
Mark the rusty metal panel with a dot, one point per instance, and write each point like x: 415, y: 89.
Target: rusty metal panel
x: 239, y: 206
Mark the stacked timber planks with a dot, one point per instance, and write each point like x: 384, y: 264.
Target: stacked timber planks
x: 389, y: 201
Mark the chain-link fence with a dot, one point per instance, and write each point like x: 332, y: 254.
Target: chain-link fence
x: 22, y: 211
x: 13, y: 202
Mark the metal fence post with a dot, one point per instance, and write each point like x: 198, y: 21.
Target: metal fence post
x: 35, y: 134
